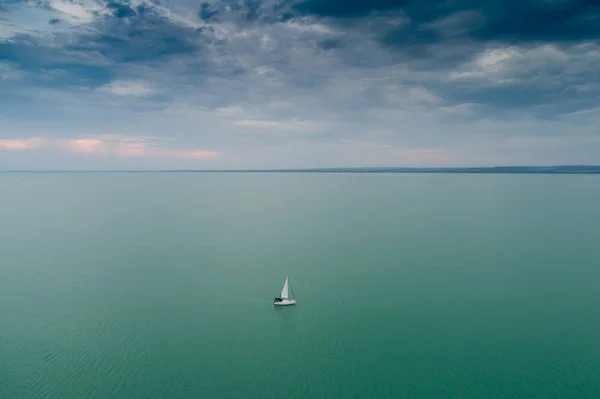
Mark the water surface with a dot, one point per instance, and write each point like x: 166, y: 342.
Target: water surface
x: 157, y: 285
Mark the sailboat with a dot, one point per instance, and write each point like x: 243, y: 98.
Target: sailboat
x: 285, y: 298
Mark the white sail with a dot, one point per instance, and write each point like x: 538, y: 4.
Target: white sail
x: 284, y: 290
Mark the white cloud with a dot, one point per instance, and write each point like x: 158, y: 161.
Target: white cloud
x: 513, y: 64
x: 128, y: 88
x: 280, y: 125
x: 8, y: 30
x: 495, y: 59
x: 76, y: 12
x: 464, y: 109
x: 421, y: 94
x: 492, y: 65
x: 8, y: 73
x: 231, y: 111
x: 308, y: 25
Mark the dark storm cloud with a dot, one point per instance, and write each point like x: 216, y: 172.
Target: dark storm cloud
x: 246, y: 12
x: 121, y: 9
x: 140, y: 34
x: 330, y: 44
x: 47, y: 66
x: 505, y: 20
x: 7, y: 4
x: 208, y: 12
x: 558, y: 20
x: 442, y: 34
x: 123, y: 35
x: 428, y: 40
x: 449, y: 36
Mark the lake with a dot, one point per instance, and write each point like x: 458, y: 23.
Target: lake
x: 160, y: 285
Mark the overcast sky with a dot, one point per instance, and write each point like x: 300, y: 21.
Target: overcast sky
x: 90, y: 84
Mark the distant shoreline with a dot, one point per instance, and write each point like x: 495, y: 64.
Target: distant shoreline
x: 564, y: 169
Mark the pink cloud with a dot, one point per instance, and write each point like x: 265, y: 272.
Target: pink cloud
x: 129, y: 149
x: 122, y: 146
x: 141, y: 148
x: 20, y: 145
x: 198, y: 154
x: 87, y: 146
x: 134, y: 147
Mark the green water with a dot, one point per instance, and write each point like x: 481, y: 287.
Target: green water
x: 408, y: 286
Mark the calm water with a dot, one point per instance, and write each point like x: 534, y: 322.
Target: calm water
x: 408, y: 286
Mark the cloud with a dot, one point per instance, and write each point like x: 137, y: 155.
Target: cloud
x: 75, y: 12
x: 185, y: 154
x: 141, y: 34
x: 8, y: 73
x: 131, y: 148
x: 107, y: 145
x: 124, y: 146
x: 303, y: 126
x: 87, y: 146
x: 9, y: 30
x: 20, y: 145
x: 121, y: 88
x: 420, y: 94
x: 508, y: 21
x: 300, y: 84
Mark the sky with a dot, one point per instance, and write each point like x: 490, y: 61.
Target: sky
x: 182, y: 84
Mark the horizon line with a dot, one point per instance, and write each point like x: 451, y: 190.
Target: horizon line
x: 517, y: 169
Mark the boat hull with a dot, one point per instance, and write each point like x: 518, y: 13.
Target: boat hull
x: 285, y: 302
